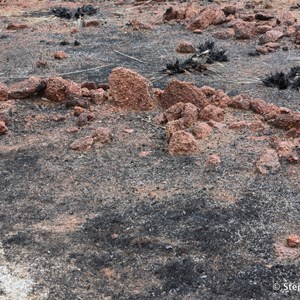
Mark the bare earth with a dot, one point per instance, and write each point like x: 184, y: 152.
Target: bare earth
x: 128, y: 220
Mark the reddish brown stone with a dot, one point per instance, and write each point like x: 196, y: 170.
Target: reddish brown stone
x: 182, y: 143
x: 293, y: 133
x: 16, y: 26
x: 130, y: 90
x: 287, y: 18
x: 178, y: 91
x: 271, y: 36
x: 60, y: 55
x: 185, y: 47
x: 26, y: 88
x: 293, y: 240
x: 209, y: 16
x: 229, y: 9
x: 257, y: 126
x: 98, y: 96
x: 190, y: 114
x: 246, y: 17
x: 3, y: 92
x: 201, y: 130
x: 173, y: 127
x: 102, y: 135
x: 268, y: 162
x: 85, y: 92
x: 91, y: 85
x: 91, y: 23
x: 212, y: 112
x: 174, y: 112
x: 83, y: 143
x: 243, y: 30
x: 237, y: 125
x: 78, y: 110
x: 297, y: 35
x: 224, y: 34
x: 268, y: 110
x: 3, y: 128
x: 213, y: 160
x: 137, y: 25
x: 160, y: 119
x: 58, y: 89
x: 286, y: 121
x: 82, y: 119
x: 260, y: 29
x: 220, y: 99
x: 41, y: 64
x: 241, y: 101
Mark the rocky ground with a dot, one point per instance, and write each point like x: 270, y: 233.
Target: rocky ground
x: 127, y: 175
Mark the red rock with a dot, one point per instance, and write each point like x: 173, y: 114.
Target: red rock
x: 190, y: 114
x: 237, y: 125
x: 293, y: 241
x: 264, y: 50
x: 83, y: 143
x: 58, y: 89
x: 85, y: 92
x: 91, y: 85
x: 104, y: 86
x: 72, y: 129
x: 260, y: 29
x: 213, y: 160
x: 293, y: 132
x: 271, y: 36
x: 220, y: 99
x: 98, y: 96
x: 3, y: 128
x: 160, y: 119
x: 174, y: 112
x: 209, y: 16
x: 16, y: 26
x: 41, y: 64
x: 91, y: 23
x: 241, y: 101
x: 191, y: 11
x: 287, y: 18
x: 173, y: 127
x: 182, y: 143
x: 243, y: 30
x: 102, y: 135
x: 297, y: 35
x: 267, y: 110
x: 60, y: 55
x: 229, y: 9
x: 26, y: 88
x: 207, y: 90
x: 91, y: 116
x: 285, y: 149
x: 201, y: 130
x: 224, y: 34
x: 130, y: 90
x: 82, y: 119
x: 78, y: 110
x: 246, y: 17
x: 185, y: 47
x: 212, y: 112
x: 137, y: 25
x: 257, y: 126
x: 3, y: 92
x: 178, y: 91
x: 145, y: 153
x: 286, y: 121
x: 170, y: 14
x: 229, y: 19
x: 268, y: 162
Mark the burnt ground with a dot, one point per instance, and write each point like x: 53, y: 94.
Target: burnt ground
x: 110, y: 223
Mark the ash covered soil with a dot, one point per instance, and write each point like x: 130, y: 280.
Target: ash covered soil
x: 130, y: 219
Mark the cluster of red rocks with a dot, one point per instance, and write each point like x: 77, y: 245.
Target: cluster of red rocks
x: 240, y: 24
x: 189, y: 112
